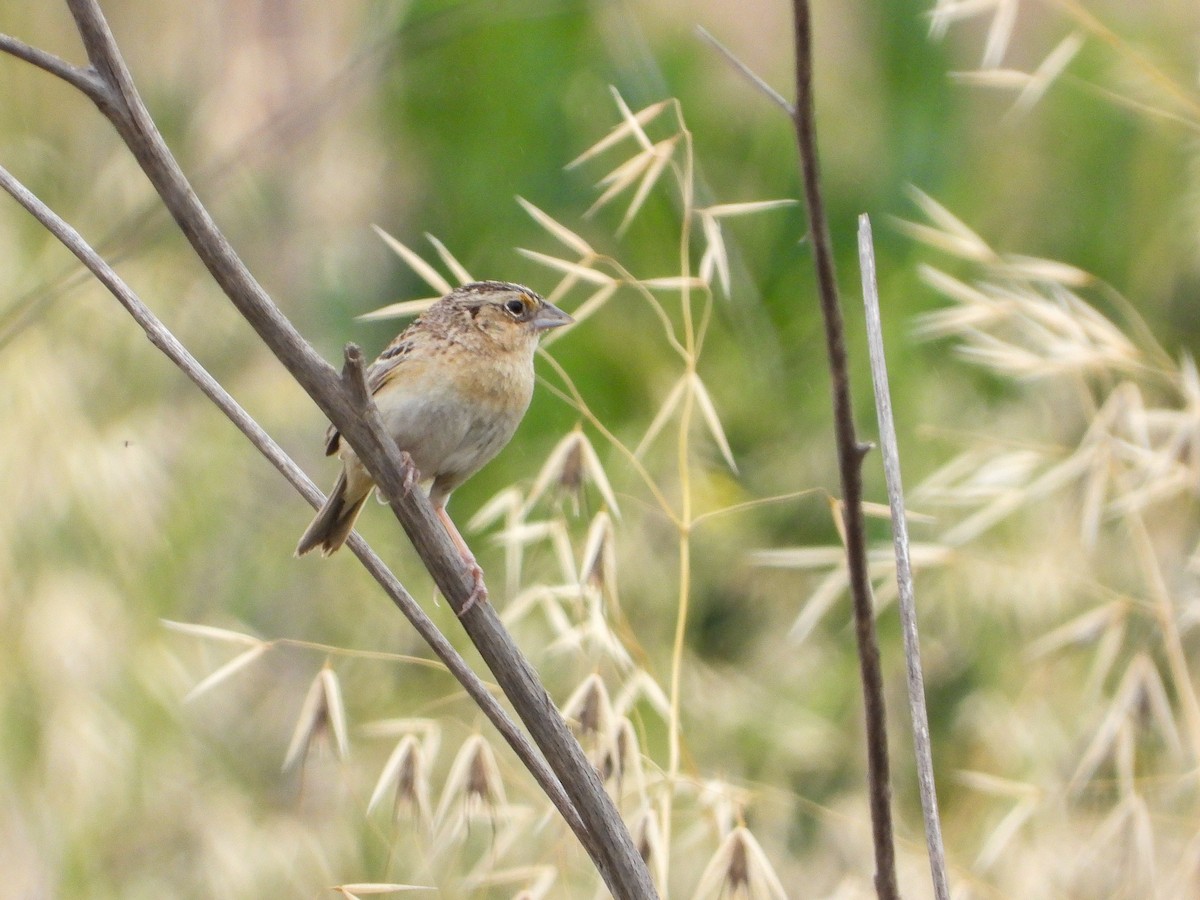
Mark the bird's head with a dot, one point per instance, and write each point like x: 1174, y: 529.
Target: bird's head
x: 511, y: 315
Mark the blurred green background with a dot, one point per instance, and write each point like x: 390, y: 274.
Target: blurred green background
x: 127, y: 499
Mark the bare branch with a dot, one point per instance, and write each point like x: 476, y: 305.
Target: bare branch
x: 904, y: 577
x: 165, y: 341
x: 850, y: 454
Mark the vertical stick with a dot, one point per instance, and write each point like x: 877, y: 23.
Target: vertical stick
x: 908, y: 611
x: 850, y: 456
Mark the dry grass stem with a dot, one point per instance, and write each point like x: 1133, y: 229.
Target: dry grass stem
x: 376, y: 889
x: 904, y: 569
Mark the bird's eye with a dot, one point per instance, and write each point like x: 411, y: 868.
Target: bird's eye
x: 514, y: 306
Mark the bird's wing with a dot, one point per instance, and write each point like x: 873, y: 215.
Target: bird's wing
x: 381, y: 370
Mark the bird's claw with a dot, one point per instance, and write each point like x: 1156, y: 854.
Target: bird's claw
x: 411, y: 476
x: 479, y: 593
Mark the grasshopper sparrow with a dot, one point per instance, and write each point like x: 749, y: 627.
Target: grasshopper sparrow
x: 451, y: 389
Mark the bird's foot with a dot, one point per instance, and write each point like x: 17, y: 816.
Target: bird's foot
x: 412, y: 475
x: 479, y: 593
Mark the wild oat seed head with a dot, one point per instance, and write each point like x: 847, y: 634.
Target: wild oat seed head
x: 740, y: 869
x: 627, y: 758
x: 589, y: 713
x: 571, y: 464
x: 407, y: 773
x: 648, y: 838
x: 473, y: 787
x: 322, y: 716
x: 598, y: 567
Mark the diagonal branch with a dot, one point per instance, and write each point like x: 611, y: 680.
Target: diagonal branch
x: 850, y: 456
x: 604, y: 834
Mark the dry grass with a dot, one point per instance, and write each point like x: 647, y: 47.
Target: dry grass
x: 1083, y: 529
x: 1118, y: 476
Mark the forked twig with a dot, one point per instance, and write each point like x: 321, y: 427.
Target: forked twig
x: 904, y: 577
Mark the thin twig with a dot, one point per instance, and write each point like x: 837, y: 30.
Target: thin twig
x: 904, y: 576
x: 753, y: 77
x: 165, y: 341
x: 83, y: 79
x: 850, y: 456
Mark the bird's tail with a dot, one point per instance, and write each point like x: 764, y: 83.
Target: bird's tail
x: 335, y: 521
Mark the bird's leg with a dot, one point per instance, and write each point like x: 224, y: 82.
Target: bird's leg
x: 479, y: 592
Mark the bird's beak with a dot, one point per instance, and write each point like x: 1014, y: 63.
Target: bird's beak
x: 550, y: 316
